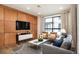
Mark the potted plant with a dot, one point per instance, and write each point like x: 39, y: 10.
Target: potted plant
x: 40, y: 38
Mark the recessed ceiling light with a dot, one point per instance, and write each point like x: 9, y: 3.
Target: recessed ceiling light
x: 61, y: 8
x: 39, y: 13
x: 38, y: 6
x: 28, y: 8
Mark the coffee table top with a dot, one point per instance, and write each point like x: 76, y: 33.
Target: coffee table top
x: 36, y: 42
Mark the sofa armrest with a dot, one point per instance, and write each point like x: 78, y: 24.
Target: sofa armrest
x: 48, y: 49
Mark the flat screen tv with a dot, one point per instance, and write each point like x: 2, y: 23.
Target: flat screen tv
x: 22, y: 25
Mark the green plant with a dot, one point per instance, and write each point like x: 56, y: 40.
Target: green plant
x: 40, y: 39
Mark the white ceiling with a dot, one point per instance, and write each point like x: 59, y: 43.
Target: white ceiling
x: 45, y: 9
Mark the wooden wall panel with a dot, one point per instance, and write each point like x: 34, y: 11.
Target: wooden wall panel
x: 30, y: 18
x: 10, y: 39
x: 1, y: 26
x: 27, y: 18
x: 10, y: 26
x: 1, y: 19
x: 1, y: 13
x: 33, y: 25
x: 8, y: 17
x: 21, y: 16
x: 10, y: 14
x: 1, y: 40
x: 35, y: 21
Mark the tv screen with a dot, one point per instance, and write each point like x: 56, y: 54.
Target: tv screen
x: 21, y: 25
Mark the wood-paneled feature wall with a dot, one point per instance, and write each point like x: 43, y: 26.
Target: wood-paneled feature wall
x: 8, y: 18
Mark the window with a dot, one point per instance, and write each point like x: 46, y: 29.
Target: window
x: 52, y: 24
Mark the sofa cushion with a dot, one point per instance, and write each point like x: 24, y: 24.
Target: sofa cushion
x: 52, y: 36
x: 58, y: 42
x: 45, y: 35
x: 67, y: 42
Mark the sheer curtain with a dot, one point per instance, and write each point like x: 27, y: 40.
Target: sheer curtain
x: 66, y: 22
x: 69, y: 24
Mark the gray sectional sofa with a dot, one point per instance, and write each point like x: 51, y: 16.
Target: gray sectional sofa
x: 63, y: 49
x: 48, y: 49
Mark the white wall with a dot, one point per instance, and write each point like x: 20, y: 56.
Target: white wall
x: 77, y: 28
x: 39, y: 27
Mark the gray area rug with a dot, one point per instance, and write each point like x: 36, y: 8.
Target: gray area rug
x: 25, y: 49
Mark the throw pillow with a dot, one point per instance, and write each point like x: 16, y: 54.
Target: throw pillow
x: 58, y: 42
x: 67, y: 42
